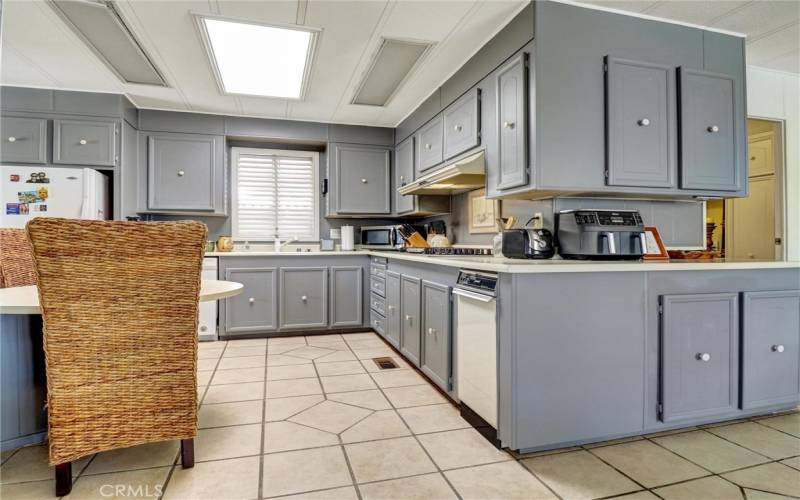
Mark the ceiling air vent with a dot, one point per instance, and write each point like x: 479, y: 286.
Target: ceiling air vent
x: 101, y: 27
x: 392, y: 64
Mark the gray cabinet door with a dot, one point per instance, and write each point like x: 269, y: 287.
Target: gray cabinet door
x: 641, y: 148
x: 512, y: 126
x: 362, y: 179
x: 699, y: 355
x: 347, y: 295
x: 392, y: 308
x: 24, y: 140
x: 184, y: 172
x: 708, y: 159
x: 403, y: 174
x: 84, y: 143
x: 410, y: 318
x: 429, y: 141
x: 462, y: 124
x: 304, y: 297
x: 770, y: 350
x: 256, y: 308
x: 436, y: 352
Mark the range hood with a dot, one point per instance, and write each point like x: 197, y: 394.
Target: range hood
x: 464, y: 174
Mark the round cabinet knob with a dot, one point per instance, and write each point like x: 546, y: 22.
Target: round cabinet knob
x: 428, y: 146
x: 402, y: 178
x: 713, y: 129
x: 431, y: 331
x: 408, y: 318
x: 391, y: 308
x: 363, y: 181
x: 181, y: 173
x: 12, y: 139
x: 508, y: 125
x: 82, y: 142
x: 644, y: 122
x: 304, y: 298
x: 203, y: 328
x: 252, y: 300
x: 375, y: 322
x: 457, y: 128
x: 752, y: 158
x: 778, y: 348
x: 703, y: 356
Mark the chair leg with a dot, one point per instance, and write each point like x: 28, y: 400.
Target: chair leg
x: 63, y: 479
x: 187, y: 453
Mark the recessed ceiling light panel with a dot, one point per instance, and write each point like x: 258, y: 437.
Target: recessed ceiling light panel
x: 258, y: 59
x: 389, y: 68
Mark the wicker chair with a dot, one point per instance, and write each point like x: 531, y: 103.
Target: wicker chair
x: 119, y: 302
x: 16, y: 259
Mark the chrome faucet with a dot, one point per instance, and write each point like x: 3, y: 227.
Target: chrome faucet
x: 278, y: 244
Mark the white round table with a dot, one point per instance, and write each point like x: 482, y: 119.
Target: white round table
x: 25, y: 299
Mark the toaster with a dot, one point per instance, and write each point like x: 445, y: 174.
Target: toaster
x: 528, y: 243
x: 600, y: 234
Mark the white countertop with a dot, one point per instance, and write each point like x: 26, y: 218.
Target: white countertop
x: 524, y: 266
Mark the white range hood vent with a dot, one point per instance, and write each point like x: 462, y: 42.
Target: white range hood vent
x: 465, y: 174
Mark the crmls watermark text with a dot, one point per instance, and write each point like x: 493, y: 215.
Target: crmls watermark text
x: 130, y: 490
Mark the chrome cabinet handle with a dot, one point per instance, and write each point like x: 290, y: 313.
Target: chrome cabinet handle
x: 778, y: 348
x: 82, y: 142
x: 457, y: 128
x: 252, y: 300
x: 644, y: 122
x: 703, y: 356
x: 304, y: 298
x: 508, y: 125
x: 713, y: 129
x: 12, y: 139
x: 181, y: 173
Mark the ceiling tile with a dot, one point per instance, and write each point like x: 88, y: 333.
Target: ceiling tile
x: 16, y: 70
x: 696, y: 12
x: 789, y: 62
x: 760, y: 18
x: 776, y: 44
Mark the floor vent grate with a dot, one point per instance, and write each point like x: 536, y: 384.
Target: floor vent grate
x: 385, y: 363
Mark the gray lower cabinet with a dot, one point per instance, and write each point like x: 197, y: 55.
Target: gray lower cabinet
x: 360, y: 180
x: 411, y: 320
x: 770, y: 350
x: 256, y: 308
x: 185, y: 172
x: 392, y: 308
x: 24, y: 140
x: 346, y: 295
x: 430, y: 142
x: 641, y: 124
x: 303, y: 297
x: 436, y: 352
x: 78, y: 142
x: 699, y: 355
x: 462, y: 124
x: 403, y: 174
x: 511, y: 122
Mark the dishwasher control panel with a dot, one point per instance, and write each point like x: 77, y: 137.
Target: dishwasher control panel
x: 475, y: 281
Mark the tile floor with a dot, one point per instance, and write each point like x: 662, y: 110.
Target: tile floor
x: 313, y: 417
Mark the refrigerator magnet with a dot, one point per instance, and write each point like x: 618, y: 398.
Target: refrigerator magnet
x: 12, y: 208
x: 13, y: 177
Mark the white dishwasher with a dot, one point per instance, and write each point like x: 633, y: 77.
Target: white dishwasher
x: 476, y: 350
x: 207, y: 324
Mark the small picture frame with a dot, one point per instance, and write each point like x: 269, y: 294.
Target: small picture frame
x: 326, y: 245
x: 482, y: 213
x: 655, y: 245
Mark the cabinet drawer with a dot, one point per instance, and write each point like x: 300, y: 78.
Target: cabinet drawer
x: 377, y: 303
x: 429, y: 141
x: 304, y: 297
x: 256, y: 308
x: 24, y: 140
x: 378, y: 270
x: 377, y: 322
x: 84, y: 143
x: 377, y: 285
x: 770, y: 350
x: 383, y: 261
x: 462, y: 124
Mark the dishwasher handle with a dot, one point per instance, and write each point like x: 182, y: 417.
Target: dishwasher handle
x: 472, y: 295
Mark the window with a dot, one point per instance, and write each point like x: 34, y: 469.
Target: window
x: 274, y: 194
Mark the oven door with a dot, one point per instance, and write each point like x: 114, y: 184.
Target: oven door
x: 384, y: 237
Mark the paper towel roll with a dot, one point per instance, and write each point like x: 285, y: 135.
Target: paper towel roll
x: 347, y: 238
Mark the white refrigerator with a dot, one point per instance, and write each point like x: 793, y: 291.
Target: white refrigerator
x: 73, y: 193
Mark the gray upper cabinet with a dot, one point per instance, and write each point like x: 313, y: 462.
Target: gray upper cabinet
x: 361, y: 179
x: 185, y: 172
x: 640, y: 124
x: 512, y: 147
x: 699, y: 355
x: 462, y: 124
x: 403, y: 174
x: 709, y: 159
x: 436, y: 362
x: 770, y: 350
x: 410, y: 318
x: 429, y: 139
x: 85, y: 142
x: 347, y: 284
x: 24, y: 140
x: 304, y: 297
x: 256, y: 308
x: 392, y: 308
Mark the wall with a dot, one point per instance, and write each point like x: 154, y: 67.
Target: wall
x: 776, y: 95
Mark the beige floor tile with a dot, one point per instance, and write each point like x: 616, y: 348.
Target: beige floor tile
x: 774, y: 477
x: 36, y: 490
x: 764, y: 440
x: 340, y: 368
x: 294, y: 387
x: 31, y: 464
x: 542, y: 453
x: 204, y: 377
x: 710, y: 451
x: 345, y: 493
x: 723, y: 423
x: 426, y: 487
x: 347, y: 383
x: 241, y: 362
x: 506, y: 480
x: 309, y: 352
x: 612, y: 442
x: 286, y: 436
x: 579, y: 475
x: 296, y: 340
x: 648, y: 463
x: 282, y: 348
x: 234, y: 392
x: 366, y: 344
x: 380, y: 425
x: 792, y: 462
x: 388, y: 459
x: 238, y: 376
x: 205, y: 345
x: 227, y: 442
x: 761, y: 495
x: 360, y: 336
x: 247, y: 343
x: 373, y: 353
x: 330, y: 416
x: 233, y: 352
x: 325, y: 337
x: 283, y: 360
x: 291, y: 371
x: 283, y: 408
x: 706, y: 488
x: 398, y: 378
x: 371, y: 400
x: 6, y: 454
x: 415, y: 395
x: 136, y: 457
x: 206, y: 364
x: 372, y: 367
x: 209, y: 353
x: 305, y: 470
x: 225, y: 414
x: 671, y: 432
x: 789, y: 424
x: 336, y: 356
x: 234, y: 479
x: 145, y: 483
x: 334, y: 345
x: 639, y: 495
x: 433, y: 418
x: 461, y: 448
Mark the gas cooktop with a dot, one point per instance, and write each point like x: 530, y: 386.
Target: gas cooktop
x: 451, y: 251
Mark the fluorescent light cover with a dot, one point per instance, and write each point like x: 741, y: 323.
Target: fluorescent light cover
x: 260, y: 60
